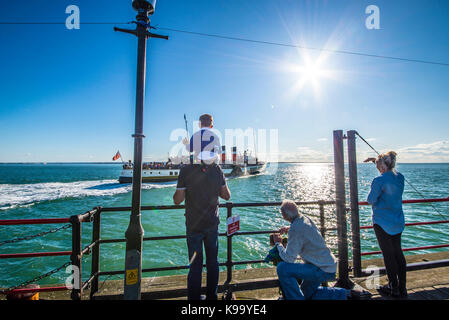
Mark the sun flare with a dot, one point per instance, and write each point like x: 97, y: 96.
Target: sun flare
x: 309, y: 74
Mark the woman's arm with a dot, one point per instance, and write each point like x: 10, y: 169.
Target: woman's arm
x: 375, y: 192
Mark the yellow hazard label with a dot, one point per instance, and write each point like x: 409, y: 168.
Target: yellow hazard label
x: 131, y: 276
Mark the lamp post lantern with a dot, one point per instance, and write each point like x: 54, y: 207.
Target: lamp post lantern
x: 134, y: 233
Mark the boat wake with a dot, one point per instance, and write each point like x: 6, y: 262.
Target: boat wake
x: 23, y: 195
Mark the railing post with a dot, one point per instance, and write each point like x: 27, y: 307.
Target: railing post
x: 229, y: 247
x: 95, y: 252
x: 343, y: 267
x: 76, y: 258
x: 322, y: 219
x: 354, y: 198
x: 322, y: 228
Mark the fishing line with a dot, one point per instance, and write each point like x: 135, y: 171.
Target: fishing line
x: 409, y: 183
x: 367, y: 143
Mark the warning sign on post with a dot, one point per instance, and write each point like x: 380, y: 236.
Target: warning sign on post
x: 233, y: 224
x: 131, y: 277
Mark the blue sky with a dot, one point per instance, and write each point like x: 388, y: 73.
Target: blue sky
x: 69, y: 95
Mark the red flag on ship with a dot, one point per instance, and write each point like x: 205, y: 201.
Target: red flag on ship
x: 117, y: 156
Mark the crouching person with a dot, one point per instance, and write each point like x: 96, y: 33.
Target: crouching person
x: 302, y: 281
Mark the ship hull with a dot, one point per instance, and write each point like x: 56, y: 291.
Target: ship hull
x: 167, y: 175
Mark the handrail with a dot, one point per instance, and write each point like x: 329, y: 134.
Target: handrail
x: 35, y: 254
x: 75, y: 255
x: 365, y: 203
x: 95, y: 216
x: 14, y: 222
x: 221, y: 205
x: 413, y: 224
x: 96, y: 272
x: 412, y: 201
x: 409, y: 249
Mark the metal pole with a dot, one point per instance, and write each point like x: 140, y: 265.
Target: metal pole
x: 229, y: 247
x: 354, y: 198
x: 322, y: 228
x: 95, y: 252
x: 322, y: 220
x: 134, y: 233
x: 343, y: 276
x: 227, y: 292
x: 76, y: 258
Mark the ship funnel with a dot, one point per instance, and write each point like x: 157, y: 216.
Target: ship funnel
x: 223, y: 154
x: 234, y: 155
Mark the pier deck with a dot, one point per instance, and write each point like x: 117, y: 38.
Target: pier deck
x: 430, y: 284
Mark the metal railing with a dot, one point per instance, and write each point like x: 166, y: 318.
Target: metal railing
x: 412, y: 224
x: 97, y: 241
x: 75, y: 254
x: 78, y: 252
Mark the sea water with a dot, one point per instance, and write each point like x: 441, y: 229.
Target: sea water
x: 30, y: 191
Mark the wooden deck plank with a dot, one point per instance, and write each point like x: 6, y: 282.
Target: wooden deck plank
x: 432, y: 294
x: 427, y: 284
x: 444, y: 290
x: 415, y: 294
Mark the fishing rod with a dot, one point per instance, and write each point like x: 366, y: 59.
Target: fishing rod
x: 406, y: 180
x: 187, y: 129
x: 188, y: 135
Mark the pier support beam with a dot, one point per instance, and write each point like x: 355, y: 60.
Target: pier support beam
x: 354, y: 199
x: 343, y: 267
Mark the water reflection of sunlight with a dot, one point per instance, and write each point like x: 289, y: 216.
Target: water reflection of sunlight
x: 308, y: 182
x: 314, y: 173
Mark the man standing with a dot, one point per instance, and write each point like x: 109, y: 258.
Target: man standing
x: 200, y: 185
x: 319, y: 264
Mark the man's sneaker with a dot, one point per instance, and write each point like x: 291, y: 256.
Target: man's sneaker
x: 359, y: 295
x: 387, y: 290
x: 403, y: 293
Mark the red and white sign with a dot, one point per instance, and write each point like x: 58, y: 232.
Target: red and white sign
x: 233, y: 224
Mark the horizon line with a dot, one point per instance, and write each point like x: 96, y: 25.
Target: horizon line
x: 111, y: 162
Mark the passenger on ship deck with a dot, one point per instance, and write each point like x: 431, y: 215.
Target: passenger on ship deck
x: 388, y: 220
x: 200, y: 185
x: 319, y: 264
x: 204, y: 140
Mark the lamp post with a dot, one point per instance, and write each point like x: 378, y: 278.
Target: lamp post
x: 134, y: 233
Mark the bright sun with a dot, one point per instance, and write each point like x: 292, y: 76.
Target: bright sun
x: 309, y: 74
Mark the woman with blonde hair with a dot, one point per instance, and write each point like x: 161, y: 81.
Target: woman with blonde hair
x: 388, y: 219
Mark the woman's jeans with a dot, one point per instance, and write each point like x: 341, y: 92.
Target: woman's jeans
x: 195, y: 244
x: 394, y: 259
x: 311, y: 276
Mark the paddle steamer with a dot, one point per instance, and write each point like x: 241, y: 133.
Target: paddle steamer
x: 169, y: 171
